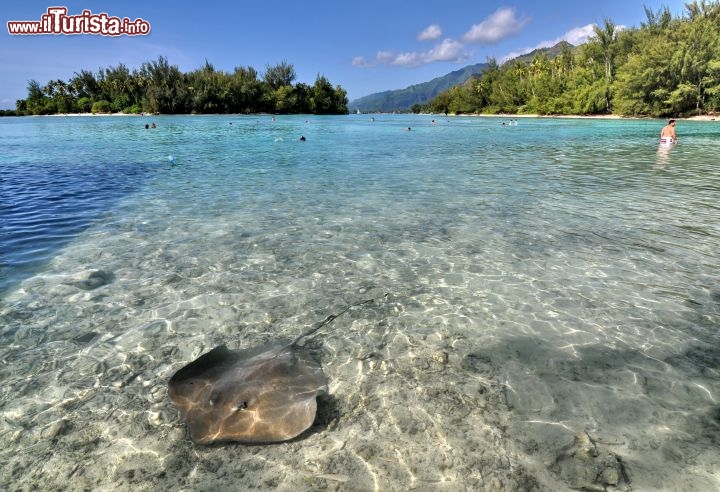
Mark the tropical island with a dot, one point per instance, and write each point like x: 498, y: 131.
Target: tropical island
x: 159, y: 87
x: 668, y: 66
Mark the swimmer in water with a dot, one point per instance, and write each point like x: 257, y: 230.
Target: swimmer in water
x: 667, y: 134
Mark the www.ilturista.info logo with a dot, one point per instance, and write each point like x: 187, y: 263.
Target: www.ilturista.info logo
x: 56, y: 21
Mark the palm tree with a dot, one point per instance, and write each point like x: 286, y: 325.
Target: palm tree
x: 606, y: 38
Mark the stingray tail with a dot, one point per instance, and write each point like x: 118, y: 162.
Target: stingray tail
x: 332, y: 317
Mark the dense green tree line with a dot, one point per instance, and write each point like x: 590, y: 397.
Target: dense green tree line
x: 158, y: 87
x: 667, y: 66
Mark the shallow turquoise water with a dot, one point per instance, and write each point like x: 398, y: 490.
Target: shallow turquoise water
x: 568, y: 267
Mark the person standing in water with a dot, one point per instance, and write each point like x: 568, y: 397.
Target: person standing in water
x: 667, y: 134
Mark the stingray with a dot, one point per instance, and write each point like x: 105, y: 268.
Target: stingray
x: 261, y: 395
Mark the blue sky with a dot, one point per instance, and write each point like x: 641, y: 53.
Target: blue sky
x: 366, y: 46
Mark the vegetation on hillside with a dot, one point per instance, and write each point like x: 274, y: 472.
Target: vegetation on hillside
x: 667, y: 66
x: 415, y: 97
x: 158, y: 87
x: 419, y: 94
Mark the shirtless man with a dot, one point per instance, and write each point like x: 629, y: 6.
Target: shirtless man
x: 667, y: 134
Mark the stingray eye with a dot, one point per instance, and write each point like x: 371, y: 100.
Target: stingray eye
x: 244, y: 405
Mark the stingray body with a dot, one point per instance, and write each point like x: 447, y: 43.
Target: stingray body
x: 262, y: 395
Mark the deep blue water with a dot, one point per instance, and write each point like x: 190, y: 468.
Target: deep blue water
x: 45, y: 205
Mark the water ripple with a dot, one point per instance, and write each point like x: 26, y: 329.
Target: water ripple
x: 45, y: 205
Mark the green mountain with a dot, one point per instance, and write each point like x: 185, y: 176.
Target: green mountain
x: 403, y: 99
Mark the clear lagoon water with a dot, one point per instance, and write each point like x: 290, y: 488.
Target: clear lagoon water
x: 547, y: 304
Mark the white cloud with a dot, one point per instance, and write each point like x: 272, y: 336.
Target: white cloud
x: 431, y: 33
x: 448, y: 51
x: 499, y: 25
x: 385, y: 56
x: 575, y: 36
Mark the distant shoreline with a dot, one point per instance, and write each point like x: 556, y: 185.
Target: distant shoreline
x: 150, y: 115
x: 593, y: 117
x: 506, y: 116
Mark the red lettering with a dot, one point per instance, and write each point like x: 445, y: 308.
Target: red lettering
x: 56, y: 13
x: 94, y: 27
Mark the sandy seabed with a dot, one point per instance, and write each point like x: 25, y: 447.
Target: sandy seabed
x: 415, y: 401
